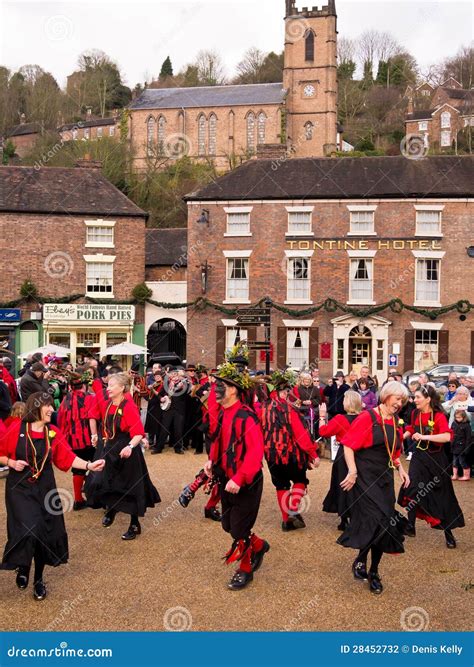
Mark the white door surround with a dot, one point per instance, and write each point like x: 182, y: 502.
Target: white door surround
x: 378, y: 327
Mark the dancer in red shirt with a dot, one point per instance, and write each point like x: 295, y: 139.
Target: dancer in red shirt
x: 236, y: 461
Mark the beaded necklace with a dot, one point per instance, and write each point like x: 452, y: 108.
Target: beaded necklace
x: 430, y: 423
x: 34, y: 468
x: 114, y: 419
x: 394, y: 443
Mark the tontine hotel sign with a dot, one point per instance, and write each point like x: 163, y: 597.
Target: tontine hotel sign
x: 364, y: 244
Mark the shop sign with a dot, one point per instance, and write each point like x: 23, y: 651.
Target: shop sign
x: 9, y: 315
x: 88, y: 313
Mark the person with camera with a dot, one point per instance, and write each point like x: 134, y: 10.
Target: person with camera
x: 236, y: 461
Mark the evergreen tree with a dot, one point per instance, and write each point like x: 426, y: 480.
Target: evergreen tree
x: 166, y: 68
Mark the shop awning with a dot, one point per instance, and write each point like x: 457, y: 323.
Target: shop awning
x: 125, y: 349
x: 56, y: 350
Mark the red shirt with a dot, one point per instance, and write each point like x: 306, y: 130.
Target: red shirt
x: 440, y: 424
x: 251, y: 463
x: 359, y: 436
x: 6, y: 376
x: 130, y: 422
x: 61, y: 453
x: 337, y: 426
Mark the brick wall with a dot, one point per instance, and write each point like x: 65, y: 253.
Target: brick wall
x: 394, y: 270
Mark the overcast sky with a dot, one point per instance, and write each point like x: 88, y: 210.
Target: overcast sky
x: 139, y: 34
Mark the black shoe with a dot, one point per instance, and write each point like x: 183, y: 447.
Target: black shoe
x: 79, y: 505
x: 239, y: 580
x: 298, y: 521
x: 108, y: 519
x: 375, y: 584
x: 39, y: 590
x: 213, y: 514
x: 179, y: 451
x: 154, y: 450
x: 199, y: 451
x: 257, y: 558
x: 132, y: 532
x: 450, y: 541
x: 22, y: 577
x: 410, y: 530
x: 359, y: 570
x: 286, y: 526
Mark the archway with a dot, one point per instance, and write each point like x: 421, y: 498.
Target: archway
x: 167, y: 336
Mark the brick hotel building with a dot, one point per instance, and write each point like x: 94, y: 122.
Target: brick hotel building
x: 362, y: 231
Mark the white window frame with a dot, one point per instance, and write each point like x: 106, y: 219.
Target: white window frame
x: 356, y: 256
x: 297, y: 254
x: 300, y: 232
x: 434, y: 354
x: 233, y: 330
x: 353, y: 211
x: 445, y: 138
x: 304, y: 335
x: 427, y: 254
x: 100, y: 132
x: 238, y: 210
x: 445, y: 120
x: 106, y: 224
x: 100, y: 259
x: 423, y: 125
x: 231, y: 255
x: 420, y: 299
x: 428, y: 209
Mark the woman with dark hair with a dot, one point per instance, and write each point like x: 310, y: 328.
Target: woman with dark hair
x: 35, y: 522
x: 430, y: 495
x: 126, y: 485
x: 372, y: 449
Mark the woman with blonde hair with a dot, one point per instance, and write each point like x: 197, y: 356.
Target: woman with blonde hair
x: 126, y: 485
x: 336, y: 500
x: 372, y: 449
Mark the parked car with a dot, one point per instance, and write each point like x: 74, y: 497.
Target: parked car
x: 439, y: 373
x: 164, y: 358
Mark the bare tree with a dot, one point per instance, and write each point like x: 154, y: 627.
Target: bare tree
x: 346, y: 50
x: 211, y: 68
x: 250, y: 67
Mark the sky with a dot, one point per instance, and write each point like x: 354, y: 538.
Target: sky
x: 140, y: 34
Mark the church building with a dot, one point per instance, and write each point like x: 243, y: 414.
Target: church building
x: 232, y: 123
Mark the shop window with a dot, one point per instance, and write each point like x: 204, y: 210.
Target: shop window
x: 63, y: 339
x: 88, y: 338
x: 426, y: 348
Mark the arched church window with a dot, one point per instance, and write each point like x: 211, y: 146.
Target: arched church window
x: 212, y: 134
x: 309, y: 46
x: 202, y: 122
x: 150, y: 133
x: 308, y: 130
x: 262, y: 119
x: 161, y: 134
x: 251, y: 132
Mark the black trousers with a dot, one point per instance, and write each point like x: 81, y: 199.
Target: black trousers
x: 172, y: 425
x: 240, y: 510
x: 284, y: 475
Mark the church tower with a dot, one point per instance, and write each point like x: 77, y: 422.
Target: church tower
x: 310, y: 78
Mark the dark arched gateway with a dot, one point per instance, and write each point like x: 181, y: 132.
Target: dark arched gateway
x: 167, y: 336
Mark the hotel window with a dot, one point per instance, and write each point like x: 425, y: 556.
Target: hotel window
x: 161, y: 134
x: 297, y: 347
x: 150, y: 134
x: 212, y: 134
x: 445, y: 119
x: 99, y: 234
x: 238, y: 222
x: 299, y: 284
x: 251, y: 132
x: 361, y: 280
x: 426, y: 349
x: 262, y: 119
x: 300, y: 220
x: 238, y: 279
x: 445, y: 138
x: 233, y: 336
x: 202, y: 134
x: 428, y: 222
x: 111, y: 131
x: 362, y: 222
x: 87, y: 133
x: 423, y: 125
x: 99, y: 278
x: 427, y: 280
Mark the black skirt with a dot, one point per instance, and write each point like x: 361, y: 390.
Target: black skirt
x: 338, y: 501
x: 374, y: 520
x: 94, y: 480
x: 35, y: 522
x: 154, y: 416
x: 126, y: 485
x: 431, y: 489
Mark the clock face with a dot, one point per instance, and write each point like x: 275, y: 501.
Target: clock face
x: 309, y: 90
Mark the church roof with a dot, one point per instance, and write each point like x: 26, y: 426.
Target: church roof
x: 344, y: 178
x: 210, y: 96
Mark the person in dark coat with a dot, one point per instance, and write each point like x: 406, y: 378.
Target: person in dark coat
x: 5, y: 401
x: 334, y: 394
x: 34, y: 380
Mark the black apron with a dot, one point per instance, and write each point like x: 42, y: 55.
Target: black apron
x: 338, y: 501
x: 35, y: 521
x: 374, y: 520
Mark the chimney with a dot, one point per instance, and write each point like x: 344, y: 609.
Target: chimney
x: 87, y: 163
